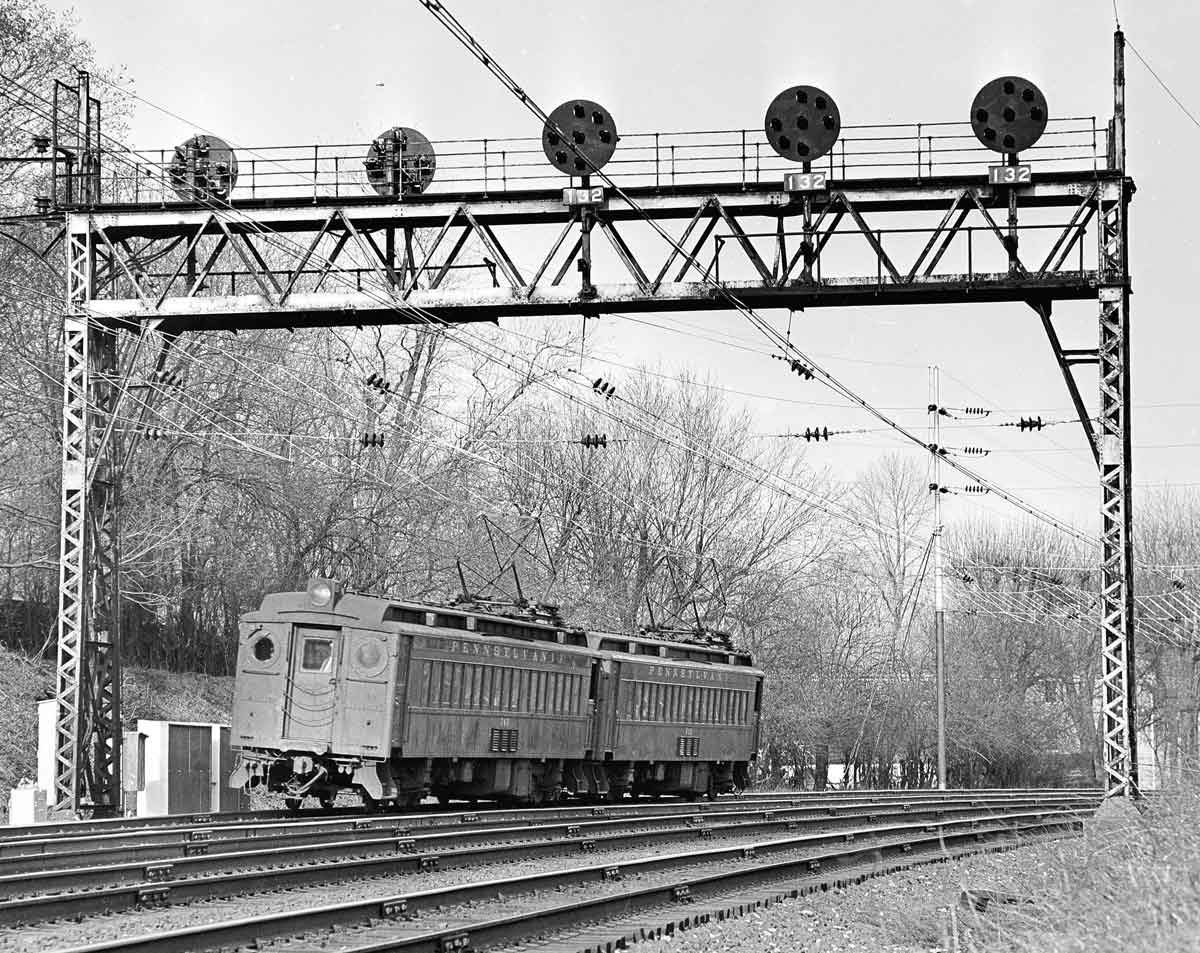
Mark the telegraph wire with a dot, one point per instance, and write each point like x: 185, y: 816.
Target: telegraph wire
x: 1161, y: 82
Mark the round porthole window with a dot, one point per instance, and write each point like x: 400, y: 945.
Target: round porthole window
x: 264, y: 649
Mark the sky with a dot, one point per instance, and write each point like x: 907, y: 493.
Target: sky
x: 264, y: 73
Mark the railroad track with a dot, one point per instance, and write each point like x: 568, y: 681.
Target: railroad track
x: 153, y: 826
x: 29, y: 894
x: 591, y: 906
x: 36, y: 896
x: 181, y: 834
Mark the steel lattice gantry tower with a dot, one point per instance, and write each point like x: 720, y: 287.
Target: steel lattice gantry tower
x: 340, y: 257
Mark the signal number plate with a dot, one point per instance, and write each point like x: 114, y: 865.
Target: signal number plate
x: 806, y: 181
x: 591, y: 196
x: 1010, y: 174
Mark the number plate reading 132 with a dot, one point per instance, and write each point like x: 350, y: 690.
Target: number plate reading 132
x: 1010, y: 174
x: 589, y: 196
x: 806, y: 181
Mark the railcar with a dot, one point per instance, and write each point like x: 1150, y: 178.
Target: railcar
x: 398, y: 700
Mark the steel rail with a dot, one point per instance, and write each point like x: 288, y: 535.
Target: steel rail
x: 471, y: 828
x: 77, y: 835
x: 258, y: 929
x: 33, y: 897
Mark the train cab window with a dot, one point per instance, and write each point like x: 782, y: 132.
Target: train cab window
x: 317, y: 656
x: 758, y: 696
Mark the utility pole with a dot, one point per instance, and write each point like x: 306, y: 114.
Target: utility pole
x: 939, y: 610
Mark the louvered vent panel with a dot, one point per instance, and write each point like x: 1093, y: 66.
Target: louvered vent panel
x: 688, y: 747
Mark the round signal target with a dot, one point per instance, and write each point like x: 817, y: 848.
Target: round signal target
x: 203, y: 168
x: 1009, y: 114
x: 590, y: 137
x: 802, y: 123
x: 400, y: 161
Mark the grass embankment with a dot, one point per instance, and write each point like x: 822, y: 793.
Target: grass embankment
x: 146, y: 693
x: 1131, y: 883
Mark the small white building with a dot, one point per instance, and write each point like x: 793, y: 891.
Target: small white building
x: 167, y: 767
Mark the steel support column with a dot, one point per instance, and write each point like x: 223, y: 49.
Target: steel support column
x: 1117, y: 677
x: 87, y: 690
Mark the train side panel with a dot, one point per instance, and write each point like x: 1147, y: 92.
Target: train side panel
x: 667, y: 711
x: 680, y: 727
x: 481, y: 698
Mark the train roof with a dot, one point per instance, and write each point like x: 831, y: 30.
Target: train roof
x: 379, y: 609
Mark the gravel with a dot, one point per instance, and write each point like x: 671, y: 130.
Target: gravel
x: 906, y: 912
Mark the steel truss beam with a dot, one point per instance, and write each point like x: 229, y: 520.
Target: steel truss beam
x: 328, y: 260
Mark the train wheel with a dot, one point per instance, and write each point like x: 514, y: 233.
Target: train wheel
x: 293, y: 804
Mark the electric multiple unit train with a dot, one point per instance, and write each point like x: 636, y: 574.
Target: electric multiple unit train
x: 400, y: 700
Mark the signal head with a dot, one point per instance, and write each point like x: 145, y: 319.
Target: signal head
x: 1009, y: 114
x: 203, y: 168
x: 591, y: 137
x: 400, y: 161
x: 802, y: 123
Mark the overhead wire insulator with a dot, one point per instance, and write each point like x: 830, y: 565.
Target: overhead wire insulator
x: 379, y: 383
x: 1031, y: 423
x: 976, y: 412
x: 816, y: 433
x: 168, y: 377
x: 974, y: 451
x: 976, y: 488
x: 371, y: 439
x: 603, y: 388
x: 155, y: 433
x: 594, y: 440
x: 798, y: 367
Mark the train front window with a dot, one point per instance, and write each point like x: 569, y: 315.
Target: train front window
x: 318, y: 656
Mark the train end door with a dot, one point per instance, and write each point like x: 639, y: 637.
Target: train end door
x: 310, y: 705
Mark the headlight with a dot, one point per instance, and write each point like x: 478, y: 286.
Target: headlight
x: 321, y: 592
x: 264, y: 649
